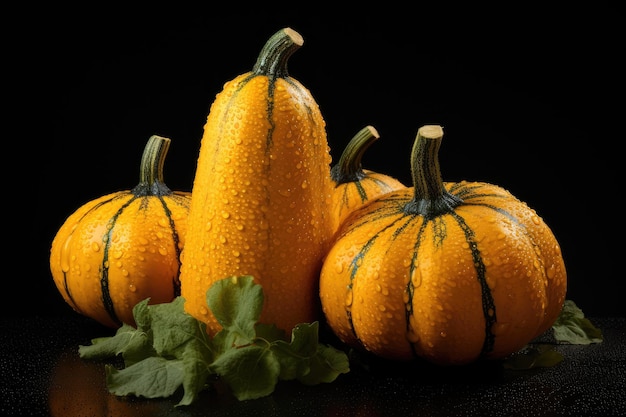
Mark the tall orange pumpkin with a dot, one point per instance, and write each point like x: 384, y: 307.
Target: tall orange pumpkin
x: 261, y: 192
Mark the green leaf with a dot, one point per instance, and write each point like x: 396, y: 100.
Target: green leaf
x: 134, y: 345
x: 305, y: 359
x: 196, y: 373
x: 236, y: 303
x: 325, y: 366
x: 251, y: 371
x: 170, y: 351
x: 151, y: 378
x: 535, y: 356
x: 176, y: 328
x: 571, y: 327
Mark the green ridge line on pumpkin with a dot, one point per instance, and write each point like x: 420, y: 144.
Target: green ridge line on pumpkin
x: 361, y: 191
x: 488, y: 303
x: 439, y: 231
x: 410, y: 287
x: 271, y: 91
x: 298, y: 88
x: 381, y: 212
x: 228, y: 106
x: 176, y: 239
x: 65, y: 283
x: 107, y: 301
x: 354, y: 267
x: 357, y: 260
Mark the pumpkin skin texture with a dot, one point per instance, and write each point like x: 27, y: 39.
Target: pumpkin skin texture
x: 355, y: 186
x: 261, y: 192
x: 123, y: 247
x: 449, y: 272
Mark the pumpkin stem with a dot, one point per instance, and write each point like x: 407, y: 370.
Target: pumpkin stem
x: 349, y: 168
x: 431, y: 199
x: 272, y: 60
x: 151, y: 170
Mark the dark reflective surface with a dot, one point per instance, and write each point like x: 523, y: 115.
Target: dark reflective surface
x: 42, y: 375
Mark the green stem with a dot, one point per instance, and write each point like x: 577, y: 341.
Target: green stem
x: 349, y: 168
x: 272, y: 60
x: 151, y: 169
x: 430, y: 199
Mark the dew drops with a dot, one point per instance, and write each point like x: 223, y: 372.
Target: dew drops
x: 132, y: 288
x: 285, y: 192
x: 349, y: 298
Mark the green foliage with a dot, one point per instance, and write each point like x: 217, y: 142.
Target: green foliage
x: 571, y: 327
x: 170, y: 350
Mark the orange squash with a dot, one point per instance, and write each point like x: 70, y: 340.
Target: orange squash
x: 123, y: 247
x: 451, y: 272
x: 261, y: 192
x: 354, y: 185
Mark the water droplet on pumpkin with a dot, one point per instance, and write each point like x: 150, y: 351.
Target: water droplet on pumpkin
x: 285, y: 192
x: 95, y: 246
x: 132, y: 288
x: 349, y: 298
x: 163, y: 251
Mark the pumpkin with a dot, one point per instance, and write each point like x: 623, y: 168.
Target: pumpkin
x: 123, y: 247
x: 354, y: 185
x: 450, y: 272
x: 261, y: 192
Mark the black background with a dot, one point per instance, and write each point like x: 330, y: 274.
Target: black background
x: 529, y: 99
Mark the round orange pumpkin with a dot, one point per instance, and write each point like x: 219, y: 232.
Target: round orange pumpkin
x: 354, y: 185
x: 450, y: 272
x: 123, y: 247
